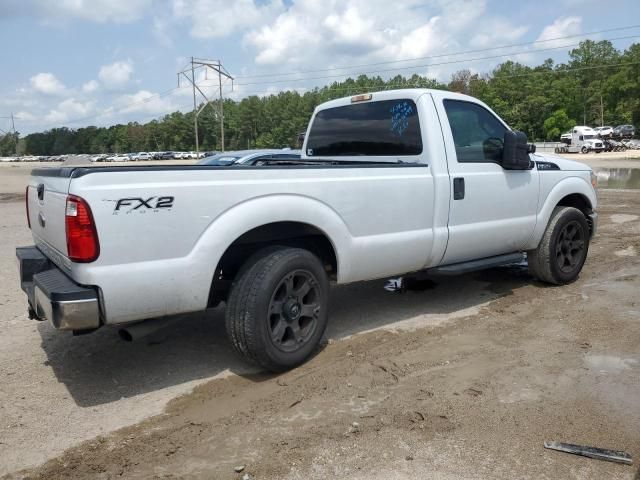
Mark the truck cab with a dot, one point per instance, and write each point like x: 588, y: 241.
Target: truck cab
x: 585, y: 139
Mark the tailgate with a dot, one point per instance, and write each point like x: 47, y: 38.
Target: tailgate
x: 46, y: 199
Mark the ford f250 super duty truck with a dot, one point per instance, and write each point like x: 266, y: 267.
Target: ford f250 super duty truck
x: 389, y: 183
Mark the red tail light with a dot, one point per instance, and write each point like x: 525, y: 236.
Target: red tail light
x: 82, y: 237
x: 26, y: 202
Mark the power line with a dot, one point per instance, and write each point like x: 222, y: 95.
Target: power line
x: 415, y: 85
x: 439, y: 55
x: 450, y: 62
x: 349, y: 74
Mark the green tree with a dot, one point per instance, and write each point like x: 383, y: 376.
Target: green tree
x: 555, y: 125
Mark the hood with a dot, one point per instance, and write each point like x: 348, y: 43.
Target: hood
x: 562, y: 163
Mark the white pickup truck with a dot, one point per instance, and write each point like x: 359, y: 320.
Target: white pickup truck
x: 402, y: 182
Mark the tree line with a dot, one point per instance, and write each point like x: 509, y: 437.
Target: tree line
x: 597, y: 85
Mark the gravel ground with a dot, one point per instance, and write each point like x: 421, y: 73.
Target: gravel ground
x: 463, y: 380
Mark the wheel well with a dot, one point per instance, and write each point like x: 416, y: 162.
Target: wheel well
x: 289, y: 234
x: 580, y: 202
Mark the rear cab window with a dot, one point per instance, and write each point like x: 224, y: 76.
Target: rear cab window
x: 382, y: 128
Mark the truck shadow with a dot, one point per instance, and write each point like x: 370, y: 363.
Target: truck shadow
x: 100, y: 368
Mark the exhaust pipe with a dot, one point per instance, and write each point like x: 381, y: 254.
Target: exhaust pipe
x: 136, y: 331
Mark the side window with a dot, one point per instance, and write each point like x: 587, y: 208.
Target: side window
x: 381, y: 128
x: 477, y: 134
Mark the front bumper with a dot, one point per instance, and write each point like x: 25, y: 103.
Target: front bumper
x: 53, y: 296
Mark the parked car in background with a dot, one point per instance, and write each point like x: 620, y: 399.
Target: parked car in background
x: 166, y: 156
x: 143, y: 156
x: 566, y: 137
x: 605, y: 131
x: 249, y: 157
x: 624, y: 131
x: 118, y: 157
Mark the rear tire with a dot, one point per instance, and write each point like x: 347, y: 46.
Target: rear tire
x: 277, y: 310
x: 563, y: 249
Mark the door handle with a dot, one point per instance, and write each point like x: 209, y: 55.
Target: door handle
x: 458, y: 188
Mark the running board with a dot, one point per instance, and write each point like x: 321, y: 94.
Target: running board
x: 481, y: 264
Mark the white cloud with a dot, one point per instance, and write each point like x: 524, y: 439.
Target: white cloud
x: 47, y: 83
x: 69, y: 109
x: 352, y: 30
x: 363, y: 29
x: 497, y: 31
x: 562, y: 27
x: 144, y: 101
x: 54, y: 11
x: 25, y: 116
x: 219, y: 18
x: 90, y: 87
x: 116, y: 75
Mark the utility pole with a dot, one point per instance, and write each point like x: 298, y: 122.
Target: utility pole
x: 13, y: 131
x: 215, y: 65
x: 221, y: 107
x: 195, y: 121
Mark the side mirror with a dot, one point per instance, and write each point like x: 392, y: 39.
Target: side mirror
x: 515, y: 151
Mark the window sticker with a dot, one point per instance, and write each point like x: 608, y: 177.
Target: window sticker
x: 400, y: 114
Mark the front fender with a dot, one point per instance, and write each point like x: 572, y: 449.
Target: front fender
x: 566, y: 186
x: 227, y: 227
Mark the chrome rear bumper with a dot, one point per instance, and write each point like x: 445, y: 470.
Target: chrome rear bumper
x: 54, y: 296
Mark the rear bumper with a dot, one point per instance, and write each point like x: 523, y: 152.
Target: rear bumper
x: 53, y: 296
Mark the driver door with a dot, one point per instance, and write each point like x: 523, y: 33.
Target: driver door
x: 492, y: 210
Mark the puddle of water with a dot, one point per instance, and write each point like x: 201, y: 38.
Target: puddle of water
x: 610, y: 363
x: 627, y: 178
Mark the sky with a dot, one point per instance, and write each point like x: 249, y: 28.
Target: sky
x: 99, y: 62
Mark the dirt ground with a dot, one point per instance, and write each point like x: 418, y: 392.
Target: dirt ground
x: 465, y: 379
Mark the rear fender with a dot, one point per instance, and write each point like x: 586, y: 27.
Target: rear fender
x: 256, y: 212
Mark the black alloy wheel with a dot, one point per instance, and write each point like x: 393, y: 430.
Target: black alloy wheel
x: 570, y: 247
x: 294, y: 310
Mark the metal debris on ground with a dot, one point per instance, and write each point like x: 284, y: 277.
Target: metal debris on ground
x: 591, y: 452
x: 393, y: 285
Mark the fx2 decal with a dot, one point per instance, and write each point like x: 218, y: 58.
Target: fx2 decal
x: 142, y: 205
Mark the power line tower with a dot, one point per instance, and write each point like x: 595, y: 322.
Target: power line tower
x: 13, y: 131
x: 217, y: 67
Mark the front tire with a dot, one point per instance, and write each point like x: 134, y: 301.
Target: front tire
x: 563, y: 249
x: 277, y: 310
x: 584, y: 150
